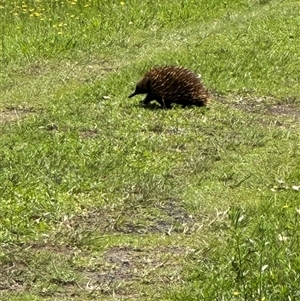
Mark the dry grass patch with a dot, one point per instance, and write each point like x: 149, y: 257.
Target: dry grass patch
x: 131, y: 272
x: 166, y: 216
x: 285, y: 111
x: 15, y: 114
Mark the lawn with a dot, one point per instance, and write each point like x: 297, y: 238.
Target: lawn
x: 103, y: 199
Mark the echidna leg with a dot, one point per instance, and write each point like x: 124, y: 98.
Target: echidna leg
x: 160, y: 101
x: 165, y: 103
x: 147, y: 99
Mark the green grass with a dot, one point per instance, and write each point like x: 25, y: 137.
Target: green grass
x: 103, y: 199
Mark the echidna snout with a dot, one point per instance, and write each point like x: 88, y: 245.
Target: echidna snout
x: 141, y: 88
x: 131, y: 95
x: 136, y: 92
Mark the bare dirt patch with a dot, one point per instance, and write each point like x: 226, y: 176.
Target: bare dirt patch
x: 15, y: 113
x: 287, y: 110
x: 120, y: 271
x: 263, y: 105
x: 51, y: 248
x: 126, y: 271
x: 63, y: 271
x: 37, y: 267
x: 163, y: 217
x: 11, y: 277
x: 88, y: 133
x: 12, y: 114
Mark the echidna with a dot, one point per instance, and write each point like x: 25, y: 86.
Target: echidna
x: 172, y: 84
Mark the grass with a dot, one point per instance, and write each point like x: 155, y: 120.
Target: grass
x: 103, y: 199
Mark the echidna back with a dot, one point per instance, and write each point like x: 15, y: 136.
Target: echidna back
x: 177, y: 84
